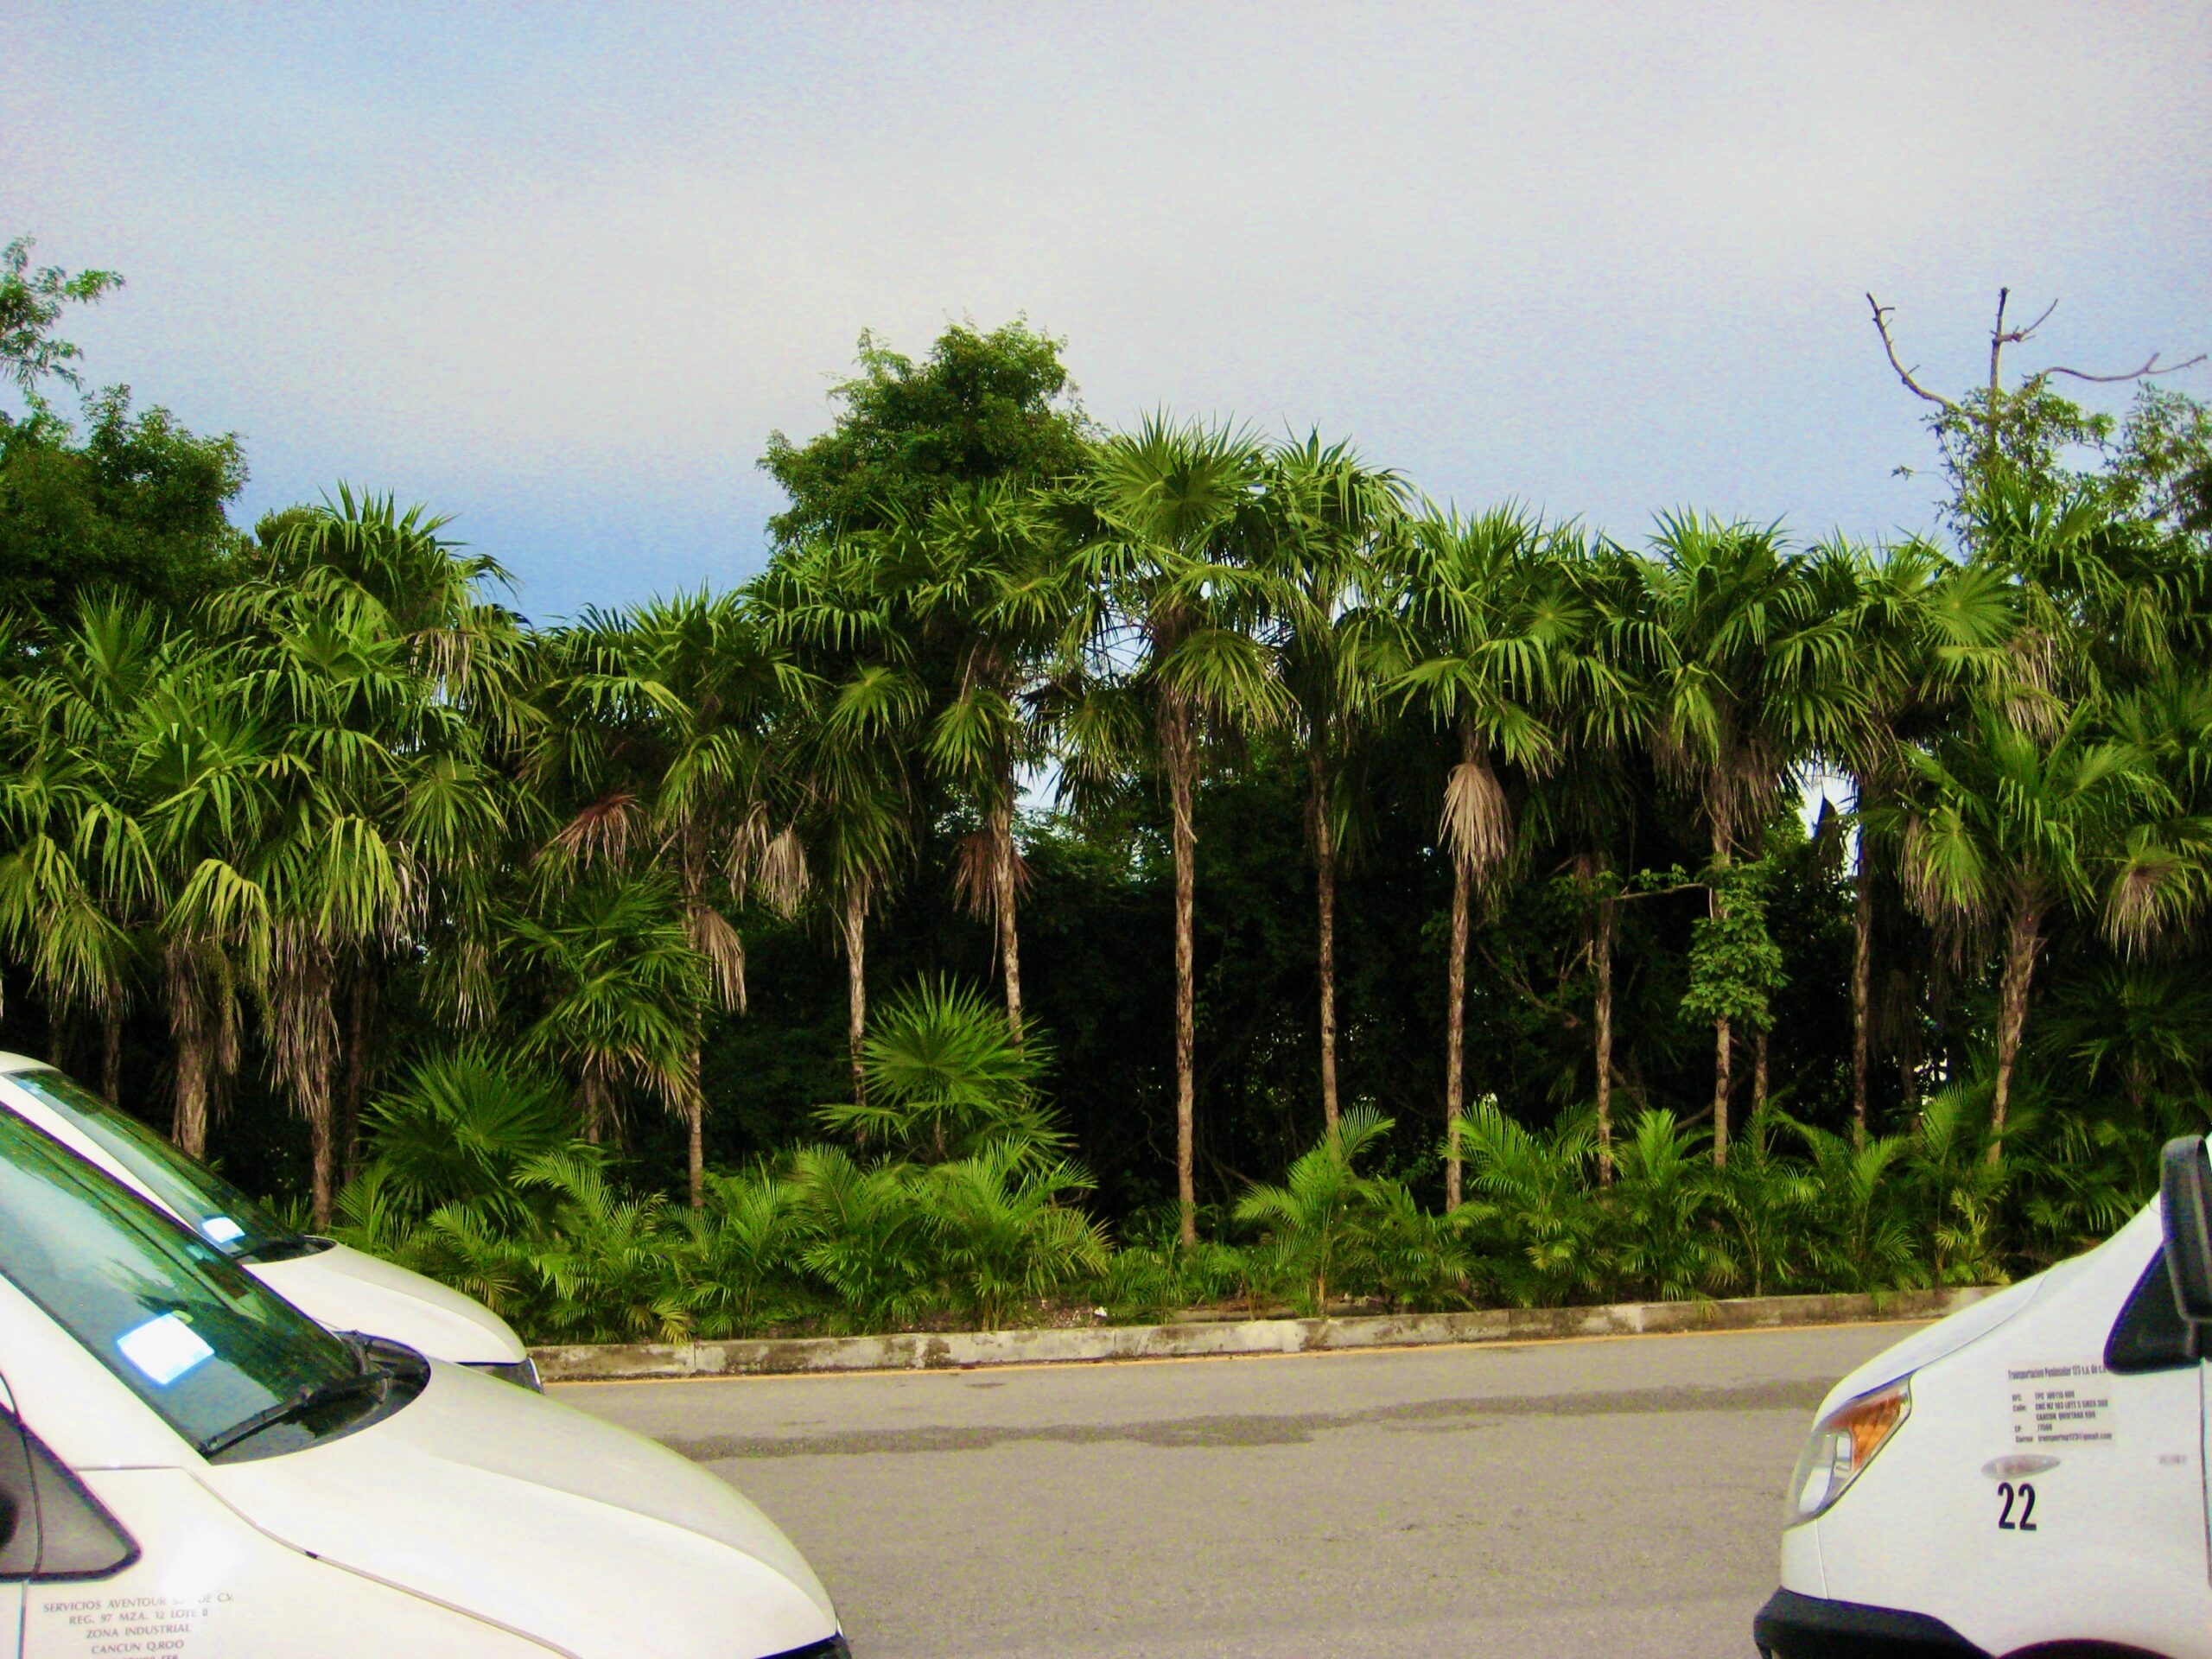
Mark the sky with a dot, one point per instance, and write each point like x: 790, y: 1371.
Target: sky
x: 559, y: 271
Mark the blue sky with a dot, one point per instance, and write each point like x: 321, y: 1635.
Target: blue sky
x: 559, y: 271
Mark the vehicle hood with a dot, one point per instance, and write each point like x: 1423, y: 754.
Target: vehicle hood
x: 551, y: 1523
x: 347, y: 1289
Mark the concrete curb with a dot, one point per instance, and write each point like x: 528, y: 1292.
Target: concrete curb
x: 923, y: 1350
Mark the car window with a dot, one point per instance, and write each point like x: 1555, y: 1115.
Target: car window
x: 50, y: 1526
x: 194, y: 1336
x: 224, y: 1216
x: 2150, y: 1334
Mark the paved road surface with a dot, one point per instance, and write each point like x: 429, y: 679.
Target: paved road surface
x: 1604, y: 1497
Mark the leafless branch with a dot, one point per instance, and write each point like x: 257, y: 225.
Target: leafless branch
x: 2028, y: 333
x: 1881, y: 315
x: 2150, y: 371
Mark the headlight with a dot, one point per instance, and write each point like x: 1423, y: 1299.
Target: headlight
x: 1844, y: 1442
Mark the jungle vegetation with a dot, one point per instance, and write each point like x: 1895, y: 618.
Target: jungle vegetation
x: 1088, y: 872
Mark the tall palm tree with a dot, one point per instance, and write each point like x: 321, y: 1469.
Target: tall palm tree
x: 680, y: 696
x: 1325, y: 513
x: 1483, y: 609
x: 77, y: 880
x: 848, y: 742
x: 1175, y: 617
x: 1585, y: 801
x: 987, y: 579
x: 207, y: 764
x: 457, y: 656
x: 1750, y: 675
x: 1929, y: 631
x: 2004, y: 829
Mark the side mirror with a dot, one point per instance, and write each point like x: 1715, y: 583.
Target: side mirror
x: 2185, y: 1189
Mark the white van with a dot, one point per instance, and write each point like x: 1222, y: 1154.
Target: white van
x: 340, y: 1286
x: 2026, y: 1476
x: 188, y: 1465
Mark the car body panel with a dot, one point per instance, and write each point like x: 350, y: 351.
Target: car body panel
x: 473, y: 1510
x: 2113, y: 1547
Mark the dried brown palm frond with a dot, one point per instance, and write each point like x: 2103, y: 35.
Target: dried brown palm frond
x: 975, y: 875
x: 607, y: 830
x: 723, y: 951
x: 1477, y: 823
x: 2025, y: 694
x: 780, y: 872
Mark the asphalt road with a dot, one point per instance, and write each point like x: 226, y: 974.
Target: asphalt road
x: 1602, y: 1497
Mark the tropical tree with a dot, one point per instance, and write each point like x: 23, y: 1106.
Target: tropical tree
x: 1927, y: 629
x: 1751, y: 673
x: 77, y: 880
x: 1325, y: 513
x: 947, y: 1079
x: 1483, y: 610
x: 622, y: 989
x: 1178, y: 617
x: 667, y: 726
x: 847, y: 744
x: 1317, y: 1222
x: 2005, y: 830
x: 987, y: 579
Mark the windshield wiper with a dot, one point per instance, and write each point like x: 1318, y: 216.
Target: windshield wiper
x: 304, y: 1400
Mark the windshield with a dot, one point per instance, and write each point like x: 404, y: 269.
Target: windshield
x: 219, y: 1211
x: 194, y: 1336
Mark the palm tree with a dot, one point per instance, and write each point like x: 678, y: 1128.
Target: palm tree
x: 1317, y: 1220
x: 1927, y: 629
x: 846, y: 742
x: 2004, y: 829
x: 679, y: 698
x: 621, y: 990
x: 1175, y: 615
x: 985, y: 578
x: 1325, y: 510
x: 77, y: 880
x: 1483, y: 608
x: 1600, y: 708
x: 205, y: 762
x: 1750, y: 675
x: 457, y: 659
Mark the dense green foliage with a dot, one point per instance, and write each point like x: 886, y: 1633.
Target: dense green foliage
x: 1271, y: 886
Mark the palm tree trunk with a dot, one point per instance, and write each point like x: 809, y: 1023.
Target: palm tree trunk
x: 1455, y: 1026
x: 360, y: 1035
x: 695, y: 1112
x: 182, y: 990
x: 1759, y: 1073
x: 1009, y: 934
x: 1324, y: 872
x: 1181, y: 765
x: 112, y: 1052
x: 856, y: 927
x: 590, y: 1105
x: 1862, y: 990
x: 2023, y: 939
x: 1607, y: 915
x: 1724, y: 842
x: 304, y: 1052
x: 1723, y: 1056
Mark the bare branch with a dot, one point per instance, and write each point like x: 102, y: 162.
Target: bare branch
x: 2150, y: 371
x: 1881, y: 315
x: 2028, y: 333
x: 1997, y: 338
